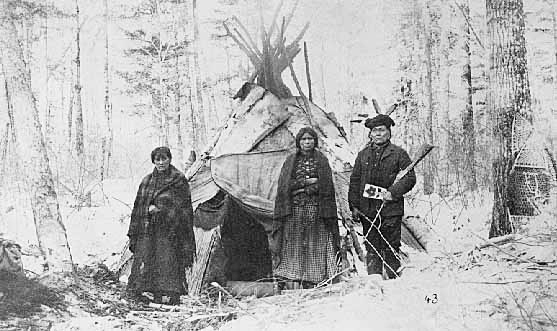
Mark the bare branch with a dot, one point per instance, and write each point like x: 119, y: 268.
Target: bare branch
x: 289, y: 19
x: 248, y: 35
x: 255, y: 53
x: 469, y: 24
x: 300, y: 35
x: 255, y: 61
x: 376, y: 106
x: 274, y: 21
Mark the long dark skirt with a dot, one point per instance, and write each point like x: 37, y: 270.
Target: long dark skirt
x: 157, y: 265
x: 307, y: 252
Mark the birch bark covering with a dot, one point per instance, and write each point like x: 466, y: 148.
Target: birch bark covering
x: 508, y: 97
x: 31, y: 147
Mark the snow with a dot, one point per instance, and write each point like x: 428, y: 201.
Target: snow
x: 95, y: 234
x: 474, y: 290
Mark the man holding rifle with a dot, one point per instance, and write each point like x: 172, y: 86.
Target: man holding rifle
x: 376, y: 194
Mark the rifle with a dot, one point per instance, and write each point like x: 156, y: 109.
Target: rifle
x: 422, y: 152
x: 376, y: 192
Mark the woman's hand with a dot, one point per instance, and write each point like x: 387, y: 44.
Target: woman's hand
x: 153, y: 209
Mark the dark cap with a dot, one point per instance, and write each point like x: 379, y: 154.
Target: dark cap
x: 379, y: 120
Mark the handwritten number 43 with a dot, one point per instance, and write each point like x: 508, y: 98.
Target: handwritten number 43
x: 431, y: 299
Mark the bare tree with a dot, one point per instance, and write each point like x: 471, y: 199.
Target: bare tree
x: 78, y: 107
x: 445, y: 98
x: 429, y: 173
x: 468, y: 129
x: 47, y: 115
x: 508, y: 98
x: 196, y: 86
x: 108, y: 135
x: 31, y: 148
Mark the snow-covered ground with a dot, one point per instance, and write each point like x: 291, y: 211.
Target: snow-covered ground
x: 455, y: 286
x: 95, y: 234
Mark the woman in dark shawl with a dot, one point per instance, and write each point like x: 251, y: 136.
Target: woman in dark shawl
x: 161, y: 232
x: 305, y: 225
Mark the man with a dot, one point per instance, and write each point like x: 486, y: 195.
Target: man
x: 378, y: 164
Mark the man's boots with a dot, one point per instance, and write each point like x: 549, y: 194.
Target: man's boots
x: 393, y: 263
x: 374, y: 264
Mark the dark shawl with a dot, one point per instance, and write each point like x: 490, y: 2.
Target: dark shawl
x: 173, y: 197
x: 327, y: 202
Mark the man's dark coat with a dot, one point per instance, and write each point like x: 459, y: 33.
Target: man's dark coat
x: 393, y: 160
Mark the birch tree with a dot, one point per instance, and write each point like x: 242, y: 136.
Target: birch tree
x: 196, y: 92
x: 108, y: 135
x: 468, y: 128
x: 429, y: 172
x: 78, y: 106
x: 31, y: 148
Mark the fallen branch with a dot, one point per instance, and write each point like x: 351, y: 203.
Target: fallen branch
x: 330, y: 279
x: 510, y: 281
x: 488, y: 243
x: 493, y: 241
x: 163, y: 307
x: 209, y: 316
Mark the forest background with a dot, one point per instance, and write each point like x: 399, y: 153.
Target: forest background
x: 113, y: 79
x: 159, y: 72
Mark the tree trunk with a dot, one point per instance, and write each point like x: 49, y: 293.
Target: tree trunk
x: 70, y: 112
x: 196, y: 87
x: 554, y: 21
x: 78, y: 108
x: 429, y: 173
x: 178, y: 112
x: 508, y: 98
x: 4, y: 152
x: 322, y: 78
x: 108, y: 134
x: 552, y: 126
x: 31, y: 147
x: 77, y: 86
x: 469, y: 141
x: 444, y: 126
x: 47, y: 128
x: 11, y: 120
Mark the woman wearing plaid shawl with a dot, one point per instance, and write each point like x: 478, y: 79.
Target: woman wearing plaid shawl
x: 161, y: 232
x: 305, y: 226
